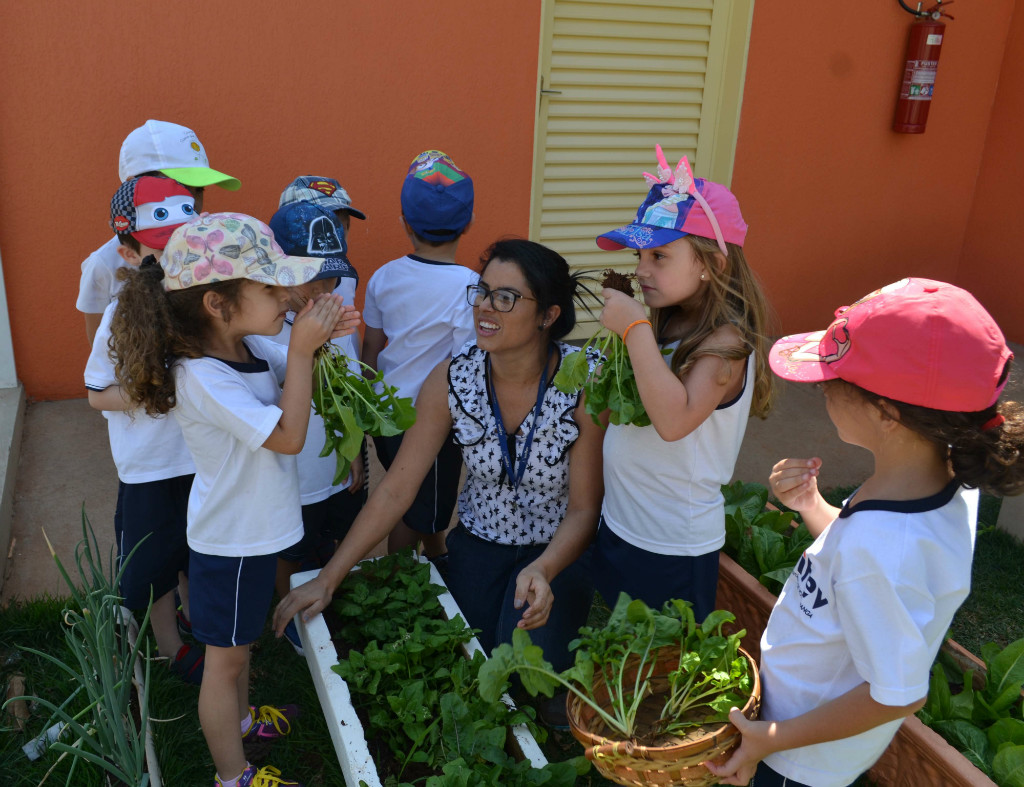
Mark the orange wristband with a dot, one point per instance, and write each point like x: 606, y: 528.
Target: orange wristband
x: 625, y: 333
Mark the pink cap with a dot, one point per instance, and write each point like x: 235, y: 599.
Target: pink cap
x: 916, y: 341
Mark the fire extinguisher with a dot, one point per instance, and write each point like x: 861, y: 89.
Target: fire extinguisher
x: 920, y: 64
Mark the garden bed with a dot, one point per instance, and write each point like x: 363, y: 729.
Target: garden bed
x: 344, y: 725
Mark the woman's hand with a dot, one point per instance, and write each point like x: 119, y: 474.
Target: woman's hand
x: 795, y: 482
x: 533, y: 588
x: 620, y: 310
x: 309, y: 599
x: 755, y: 745
x: 315, y: 324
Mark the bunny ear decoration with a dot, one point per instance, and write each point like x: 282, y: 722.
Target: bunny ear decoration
x: 664, y: 173
x: 683, y: 178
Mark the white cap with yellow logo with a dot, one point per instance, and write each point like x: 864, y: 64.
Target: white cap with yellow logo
x: 158, y: 146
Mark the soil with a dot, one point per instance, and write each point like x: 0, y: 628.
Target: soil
x: 623, y: 282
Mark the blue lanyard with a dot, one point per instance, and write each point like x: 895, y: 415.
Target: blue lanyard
x: 503, y: 436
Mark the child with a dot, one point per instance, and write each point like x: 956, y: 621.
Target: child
x: 328, y: 509
x: 154, y: 148
x: 913, y: 373
x: 154, y: 467
x: 417, y: 316
x: 663, y: 517
x: 219, y: 287
x: 325, y: 192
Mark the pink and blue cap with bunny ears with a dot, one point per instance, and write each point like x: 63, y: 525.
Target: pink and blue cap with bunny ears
x: 678, y: 205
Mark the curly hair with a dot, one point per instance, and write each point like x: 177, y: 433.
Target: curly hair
x: 151, y: 328
x: 983, y: 450
x: 733, y: 297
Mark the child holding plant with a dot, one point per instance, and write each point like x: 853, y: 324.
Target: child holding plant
x: 328, y: 508
x: 700, y: 369
x: 154, y: 468
x: 187, y: 335
x: 912, y: 372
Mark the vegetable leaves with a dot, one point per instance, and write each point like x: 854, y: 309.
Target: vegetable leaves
x: 351, y: 407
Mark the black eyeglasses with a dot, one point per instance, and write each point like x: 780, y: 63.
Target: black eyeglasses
x: 502, y: 300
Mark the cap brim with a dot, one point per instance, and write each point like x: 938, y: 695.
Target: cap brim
x: 355, y: 212
x: 330, y: 272
x: 638, y: 236
x: 797, y: 358
x: 201, y: 177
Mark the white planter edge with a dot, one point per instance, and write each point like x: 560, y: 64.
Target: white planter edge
x: 336, y: 701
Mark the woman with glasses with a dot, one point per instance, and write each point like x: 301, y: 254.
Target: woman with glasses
x: 533, y: 488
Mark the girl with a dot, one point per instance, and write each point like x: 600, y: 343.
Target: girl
x: 663, y: 519
x: 913, y: 373
x: 186, y: 335
x: 530, y: 503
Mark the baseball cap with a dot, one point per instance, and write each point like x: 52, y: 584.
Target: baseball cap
x: 150, y: 209
x: 216, y: 247
x: 158, y: 146
x: 678, y: 205
x: 916, y: 341
x: 437, y: 197
x: 320, y: 191
x: 310, y: 230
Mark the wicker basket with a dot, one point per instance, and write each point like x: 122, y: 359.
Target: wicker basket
x: 673, y: 761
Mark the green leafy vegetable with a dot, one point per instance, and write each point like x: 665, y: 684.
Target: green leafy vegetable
x: 351, y: 407
x: 711, y: 676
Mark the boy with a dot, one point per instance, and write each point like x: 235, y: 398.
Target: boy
x: 417, y: 316
x: 328, y: 510
x: 154, y: 148
x: 154, y: 467
x: 325, y: 192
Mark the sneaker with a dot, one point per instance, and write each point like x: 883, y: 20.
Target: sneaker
x: 270, y: 723
x: 184, y: 624
x: 188, y: 664
x: 267, y: 776
x: 552, y: 712
x: 291, y: 633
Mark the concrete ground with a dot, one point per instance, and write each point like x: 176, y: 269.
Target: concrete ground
x: 65, y: 464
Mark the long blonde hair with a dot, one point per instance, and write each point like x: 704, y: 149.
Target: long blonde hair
x: 733, y: 296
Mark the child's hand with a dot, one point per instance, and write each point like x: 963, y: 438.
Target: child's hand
x: 347, y: 322
x: 795, y: 482
x: 755, y: 745
x: 620, y: 310
x: 314, y: 324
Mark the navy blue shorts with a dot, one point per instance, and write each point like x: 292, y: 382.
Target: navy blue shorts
x: 619, y: 566
x: 330, y: 520
x: 766, y: 777
x: 156, y: 509
x: 431, y: 511
x: 230, y: 597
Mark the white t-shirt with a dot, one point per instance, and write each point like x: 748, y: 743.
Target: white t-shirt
x: 421, y: 306
x: 245, y: 498
x: 869, y: 601
x: 666, y: 497
x: 316, y: 472
x: 99, y: 283
x: 145, y: 447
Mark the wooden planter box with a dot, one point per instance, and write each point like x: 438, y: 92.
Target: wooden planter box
x: 917, y: 755
x: 346, y: 730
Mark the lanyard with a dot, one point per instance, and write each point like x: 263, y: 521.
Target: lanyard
x: 503, y: 436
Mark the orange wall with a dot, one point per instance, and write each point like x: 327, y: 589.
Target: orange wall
x: 992, y: 265
x: 348, y: 90
x: 838, y: 204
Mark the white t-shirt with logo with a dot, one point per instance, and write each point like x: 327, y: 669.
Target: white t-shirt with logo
x: 421, y: 307
x: 245, y: 498
x: 869, y: 601
x: 99, y: 283
x: 145, y: 447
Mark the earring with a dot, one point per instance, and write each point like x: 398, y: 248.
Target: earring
x: 542, y: 326
x: 702, y: 277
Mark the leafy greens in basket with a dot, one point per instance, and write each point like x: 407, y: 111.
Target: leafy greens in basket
x: 351, y: 407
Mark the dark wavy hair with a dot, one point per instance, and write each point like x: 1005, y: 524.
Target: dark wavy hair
x: 989, y: 459
x: 152, y: 328
x: 548, y: 275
